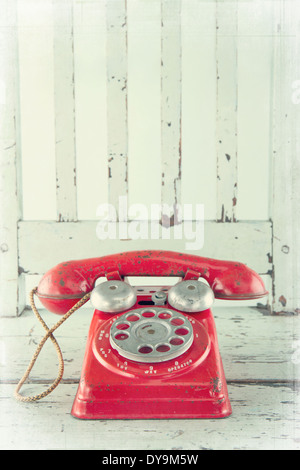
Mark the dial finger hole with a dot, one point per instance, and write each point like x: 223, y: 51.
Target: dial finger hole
x: 121, y: 336
x: 164, y: 315
x: 145, y: 349
x: 148, y: 314
x: 133, y: 317
x: 177, y: 321
x: 122, y: 326
x: 182, y: 331
x: 163, y: 348
x: 176, y: 341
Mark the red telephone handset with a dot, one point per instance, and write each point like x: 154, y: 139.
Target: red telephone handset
x: 62, y: 286
x: 152, y: 352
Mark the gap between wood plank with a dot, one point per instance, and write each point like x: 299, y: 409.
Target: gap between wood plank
x: 294, y: 384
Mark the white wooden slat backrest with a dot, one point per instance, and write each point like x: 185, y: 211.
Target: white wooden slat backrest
x: 226, y: 109
x: 64, y: 105
x: 117, y: 99
x: 171, y: 103
x: 164, y: 102
x: 286, y: 159
x: 11, y: 288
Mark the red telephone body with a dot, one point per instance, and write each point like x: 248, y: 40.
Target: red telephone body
x: 150, y: 359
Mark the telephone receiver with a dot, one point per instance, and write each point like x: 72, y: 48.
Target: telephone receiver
x: 152, y: 351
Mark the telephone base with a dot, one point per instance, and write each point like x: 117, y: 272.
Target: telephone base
x: 164, y: 409
x: 192, y: 385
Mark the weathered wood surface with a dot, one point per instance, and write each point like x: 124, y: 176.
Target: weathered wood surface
x: 117, y: 108
x: 11, y: 283
x: 264, y: 418
x: 261, y: 357
x: 171, y: 135
x: 64, y: 98
x: 286, y: 162
x: 227, y: 108
x: 78, y: 240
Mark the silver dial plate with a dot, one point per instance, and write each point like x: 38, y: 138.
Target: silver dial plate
x: 154, y: 334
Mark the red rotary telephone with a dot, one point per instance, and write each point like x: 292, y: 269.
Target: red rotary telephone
x: 152, y: 352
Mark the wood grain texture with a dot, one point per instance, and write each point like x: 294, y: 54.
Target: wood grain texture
x: 227, y: 106
x: 64, y: 96
x: 171, y: 152
x: 264, y: 418
x: 11, y: 281
x: 117, y: 107
x: 286, y: 164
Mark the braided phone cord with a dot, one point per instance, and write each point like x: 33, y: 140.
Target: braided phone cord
x: 49, y: 334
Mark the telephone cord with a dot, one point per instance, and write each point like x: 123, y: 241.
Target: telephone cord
x: 49, y: 334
